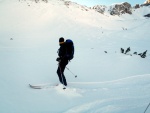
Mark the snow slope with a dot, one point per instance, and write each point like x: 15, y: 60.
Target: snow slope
x: 107, y: 82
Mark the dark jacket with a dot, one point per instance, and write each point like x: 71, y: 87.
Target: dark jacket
x: 62, y: 51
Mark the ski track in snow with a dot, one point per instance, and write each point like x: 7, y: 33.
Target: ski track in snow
x: 79, y: 89
x: 97, y: 85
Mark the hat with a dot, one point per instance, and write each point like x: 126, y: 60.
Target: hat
x: 61, y: 39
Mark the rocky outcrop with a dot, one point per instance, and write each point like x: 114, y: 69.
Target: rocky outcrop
x: 148, y: 15
x: 147, y: 2
x: 136, y: 6
x: 100, y: 8
x: 119, y: 9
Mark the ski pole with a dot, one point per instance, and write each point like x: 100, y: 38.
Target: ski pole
x: 147, y: 108
x: 72, y: 73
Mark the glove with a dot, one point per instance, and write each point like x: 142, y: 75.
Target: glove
x: 58, y: 59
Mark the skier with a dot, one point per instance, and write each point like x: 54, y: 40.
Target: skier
x: 63, y: 61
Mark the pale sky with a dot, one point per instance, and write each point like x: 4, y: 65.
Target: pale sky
x: 106, y: 2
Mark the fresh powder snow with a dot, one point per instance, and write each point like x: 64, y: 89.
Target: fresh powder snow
x: 108, y: 81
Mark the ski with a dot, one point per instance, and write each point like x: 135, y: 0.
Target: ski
x: 40, y: 86
x: 35, y: 87
x: 46, y: 86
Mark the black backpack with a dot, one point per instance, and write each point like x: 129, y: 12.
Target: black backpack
x: 69, y: 49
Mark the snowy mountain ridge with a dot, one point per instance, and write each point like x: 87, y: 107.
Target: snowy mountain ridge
x: 115, y: 9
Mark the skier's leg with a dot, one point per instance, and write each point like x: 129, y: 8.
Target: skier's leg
x: 62, y: 68
x: 59, y: 74
x: 63, y: 76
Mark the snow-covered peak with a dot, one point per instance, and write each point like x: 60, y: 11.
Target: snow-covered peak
x: 58, y: 2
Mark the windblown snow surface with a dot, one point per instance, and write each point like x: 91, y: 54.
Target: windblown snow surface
x: 106, y: 82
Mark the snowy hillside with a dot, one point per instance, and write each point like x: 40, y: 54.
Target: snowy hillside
x: 108, y: 81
